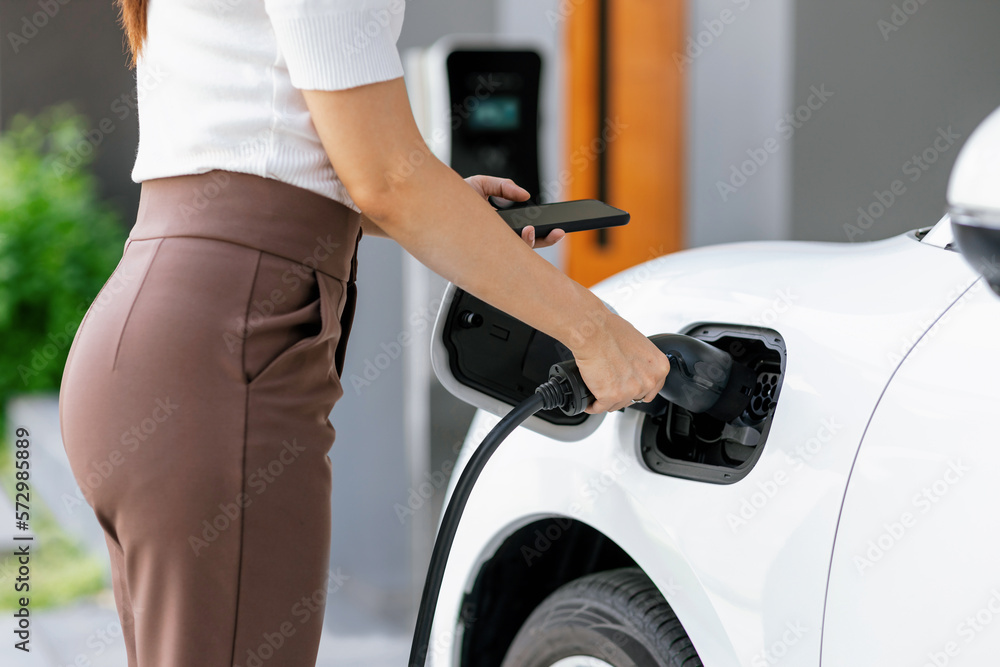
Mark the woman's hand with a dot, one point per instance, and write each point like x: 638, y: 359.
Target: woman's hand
x: 505, y: 188
x: 617, y: 363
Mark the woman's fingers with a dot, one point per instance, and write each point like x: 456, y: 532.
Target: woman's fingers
x: 553, y: 237
x: 506, y: 189
x: 491, y: 186
x: 550, y: 239
x: 528, y: 236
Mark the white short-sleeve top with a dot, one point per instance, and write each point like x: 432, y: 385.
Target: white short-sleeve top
x: 219, y: 83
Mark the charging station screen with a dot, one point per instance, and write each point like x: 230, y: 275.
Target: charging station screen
x: 501, y: 112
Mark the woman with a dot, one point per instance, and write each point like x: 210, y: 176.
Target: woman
x: 203, y: 381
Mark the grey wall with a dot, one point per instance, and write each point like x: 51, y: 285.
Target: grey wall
x: 76, y: 54
x: 739, y: 85
x: 892, y: 93
x: 428, y: 20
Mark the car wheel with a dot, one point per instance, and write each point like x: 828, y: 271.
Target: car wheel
x: 616, y: 618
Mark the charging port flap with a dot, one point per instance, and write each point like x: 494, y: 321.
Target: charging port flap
x: 493, y: 361
x: 701, y: 447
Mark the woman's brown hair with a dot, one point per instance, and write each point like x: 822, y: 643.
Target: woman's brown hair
x: 132, y: 17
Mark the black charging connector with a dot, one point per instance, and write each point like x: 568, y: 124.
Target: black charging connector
x: 702, y: 379
x: 565, y: 389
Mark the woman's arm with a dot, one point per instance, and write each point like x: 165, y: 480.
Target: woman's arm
x: 378, y: 153
x: 369, y: 228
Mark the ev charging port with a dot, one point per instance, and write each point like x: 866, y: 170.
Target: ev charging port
x: 679, y: 443
x: 500, y: 356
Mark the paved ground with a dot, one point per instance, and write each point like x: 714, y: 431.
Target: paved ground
x: 88, y: 634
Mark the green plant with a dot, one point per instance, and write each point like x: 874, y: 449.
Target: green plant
x: 59, y: 243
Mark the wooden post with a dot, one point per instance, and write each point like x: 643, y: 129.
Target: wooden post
x: 625, y: 129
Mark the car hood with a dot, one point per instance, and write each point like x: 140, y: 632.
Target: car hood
x: 789, y: 284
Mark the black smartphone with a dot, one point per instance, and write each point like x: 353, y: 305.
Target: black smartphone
x: 570, y: 216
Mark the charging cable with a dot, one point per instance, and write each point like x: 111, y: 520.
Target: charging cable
x: 564, y: 389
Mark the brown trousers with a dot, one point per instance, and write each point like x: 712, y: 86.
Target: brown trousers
x: 194, y: 411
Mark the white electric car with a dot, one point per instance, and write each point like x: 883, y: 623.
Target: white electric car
x: 848, y: 519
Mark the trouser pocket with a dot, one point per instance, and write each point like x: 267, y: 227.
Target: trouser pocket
x: 292, y: 331
x: 346, y: 322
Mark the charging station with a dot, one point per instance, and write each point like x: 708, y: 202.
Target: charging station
x: 478, y: 101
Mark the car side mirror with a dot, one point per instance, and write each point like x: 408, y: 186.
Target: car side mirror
x: 979, y: 242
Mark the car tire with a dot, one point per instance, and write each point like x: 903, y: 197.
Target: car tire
x: 616, y: 618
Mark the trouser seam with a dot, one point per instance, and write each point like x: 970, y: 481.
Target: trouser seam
x: 319, y: 267
x: 135, y: 299
x: 243, y: 463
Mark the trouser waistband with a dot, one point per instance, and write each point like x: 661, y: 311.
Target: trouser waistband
x: 261, y: 213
